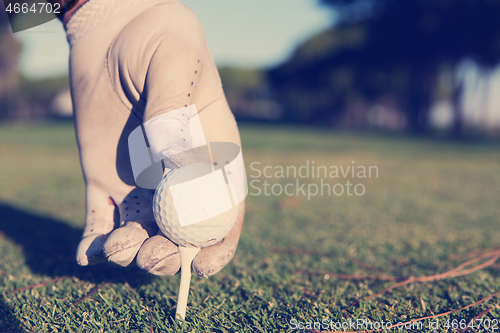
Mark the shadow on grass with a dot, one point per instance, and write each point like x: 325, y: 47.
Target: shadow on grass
x: 49, y: 248
x: 8, y: 322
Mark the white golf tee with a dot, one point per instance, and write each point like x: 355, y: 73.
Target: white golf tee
x: 187, y: 255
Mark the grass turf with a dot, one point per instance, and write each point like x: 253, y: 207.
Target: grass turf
x: 431, y: 200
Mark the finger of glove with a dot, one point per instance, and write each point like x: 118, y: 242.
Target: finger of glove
x: 89, y: 250
x: 99, y: 222
x: 212, y: 259
x: 122, y: 244
x: 159, y: 256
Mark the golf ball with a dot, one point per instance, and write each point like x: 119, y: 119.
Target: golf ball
x: 192, y: 186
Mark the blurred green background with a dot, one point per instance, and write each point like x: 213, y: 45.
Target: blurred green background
x: 424, y: 67
x: 432, y: 200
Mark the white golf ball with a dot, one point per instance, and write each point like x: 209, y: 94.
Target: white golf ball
x: 201, y: 234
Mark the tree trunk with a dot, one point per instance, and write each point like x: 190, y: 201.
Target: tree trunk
x: 420, y: 97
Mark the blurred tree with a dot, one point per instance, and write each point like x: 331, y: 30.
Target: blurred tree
x: 382, y: 47
x: 37, y: 96
x: 240, y: 83
x: 9, y: 54
x: 22, y: 98
x: 248, y: 94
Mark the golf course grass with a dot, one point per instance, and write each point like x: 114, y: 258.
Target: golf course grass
x: 427, y: 207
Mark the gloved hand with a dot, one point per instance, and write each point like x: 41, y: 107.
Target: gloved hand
x: 130, y: 64
x: 140, y: 236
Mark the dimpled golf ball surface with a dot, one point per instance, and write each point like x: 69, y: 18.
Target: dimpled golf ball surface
x: 201, y: 234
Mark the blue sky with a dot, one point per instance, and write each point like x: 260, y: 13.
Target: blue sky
x: 255, y: 33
